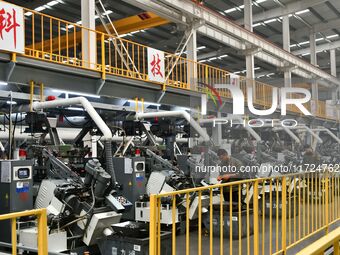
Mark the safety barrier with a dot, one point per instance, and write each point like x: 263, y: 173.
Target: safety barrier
x: 320, y: 246
x: 55, y: 40
x: 42, y: 228
x: 259, y: 216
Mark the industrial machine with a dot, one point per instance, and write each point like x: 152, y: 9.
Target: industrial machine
x: 16, y: 191
x: 132, y: 180
x: 96, y: 183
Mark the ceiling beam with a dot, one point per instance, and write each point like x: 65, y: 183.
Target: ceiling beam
x: 317, y: 28
x: 322, y: 27
x: 290, y: 8
x: 319, y: 48
x: 214, y: 26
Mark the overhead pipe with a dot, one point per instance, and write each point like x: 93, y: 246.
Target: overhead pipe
x: 107, y: 134
x: 289, y: 132
x: 309, y: 131
x: 247, y: 127
x: 182, y: 114
x: 78, y: 121
x: 286, y: 129
x: 328, y: 132
x: 68, y: 134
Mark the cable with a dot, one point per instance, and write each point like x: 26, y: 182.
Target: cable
x: 15, y: 125
x: 18, y: 121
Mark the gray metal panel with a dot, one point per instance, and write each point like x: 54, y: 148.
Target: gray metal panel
x: 16, y: 194
x: 132, y: 179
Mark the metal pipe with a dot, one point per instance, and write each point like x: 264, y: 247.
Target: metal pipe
x: 68, y: 134
x: 183, y: 114
x: 247, y: 127
x: 328, y: 132
x: 107, y: 134
x: 310, y: 132
x: 61, y: 123
x: 289, y: 132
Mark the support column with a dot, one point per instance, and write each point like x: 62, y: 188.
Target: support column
x: 313, y: 61
x: 286, y: 46
x: 217, y: 132
x: 333, y: 71
x: 89, y: 46
x: 192, y: 55
x: 248, y: 15
x: 312, y: 41
x: 333, y: 62
x: 248, y: 24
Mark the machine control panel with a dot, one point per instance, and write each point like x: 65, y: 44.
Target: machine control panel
x: 139, y: 167
x: 21, y: 173
x: 124, y: 202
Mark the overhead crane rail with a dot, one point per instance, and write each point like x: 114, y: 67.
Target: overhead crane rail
x: 55, y: 40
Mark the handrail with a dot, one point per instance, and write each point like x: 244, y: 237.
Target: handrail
x: 319, y: 246
x: 42, y: 228
x: 282, y: 199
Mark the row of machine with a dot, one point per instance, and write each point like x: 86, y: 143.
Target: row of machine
x: 94, y: 170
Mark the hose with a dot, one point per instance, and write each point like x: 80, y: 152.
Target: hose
x: 109, y: 161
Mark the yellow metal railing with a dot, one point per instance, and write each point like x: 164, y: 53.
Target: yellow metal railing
x: 55, y: 40
x: 320, y: 246
x: 260, y: 216
x: 42, y: 228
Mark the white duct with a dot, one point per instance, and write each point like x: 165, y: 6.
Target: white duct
x: 328, y: 132
x: 290, y: 133
x: 310, y: 132
x: 68, y: 134
x: 182, y: 114
x: 65, y: 134
x: 247, y: 127
x: 107, y: 135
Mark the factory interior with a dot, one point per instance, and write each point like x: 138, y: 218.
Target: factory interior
x: 169, y: 127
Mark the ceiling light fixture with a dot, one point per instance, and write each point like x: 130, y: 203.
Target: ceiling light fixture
x: 52, y: 3
x: 75, y: 93
x: 257, y: 24
x: 304, y: 43
x: 331, y: 36
x: 270, y: 21
x: 40, y: 8
x: 230, y: 10
x: 302, y: 12
x: 201, y: 47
